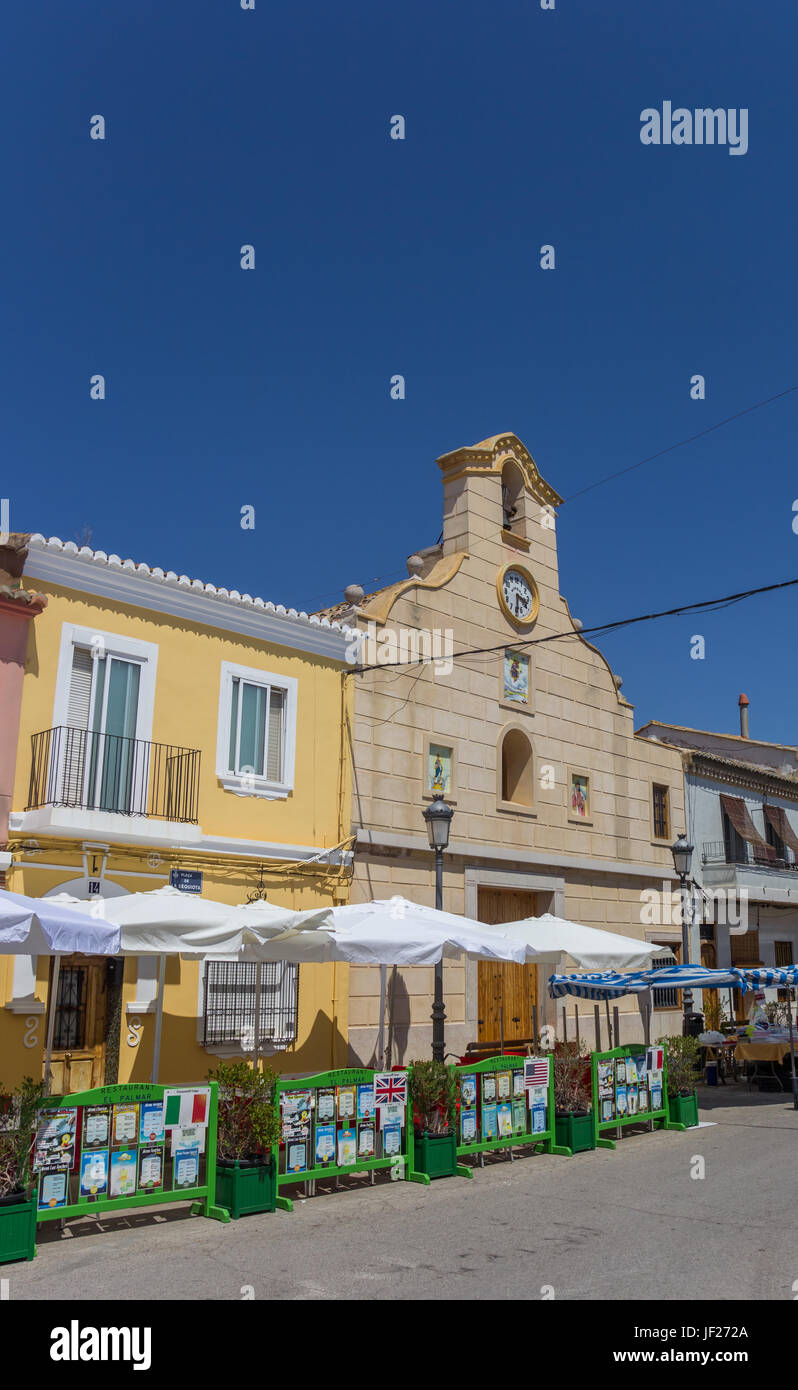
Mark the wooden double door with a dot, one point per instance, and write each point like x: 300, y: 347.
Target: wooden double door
x: 506, y: 993
x: 81, y: 1017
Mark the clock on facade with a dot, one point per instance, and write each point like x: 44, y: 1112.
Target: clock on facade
x: 518, y: 595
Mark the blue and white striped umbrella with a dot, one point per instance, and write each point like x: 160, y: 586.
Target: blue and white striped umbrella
x: 695, y: 977
x: 603, y: 985
x: 771, y: 977
x: 612, y: 986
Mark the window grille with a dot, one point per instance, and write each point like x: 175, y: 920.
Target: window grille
x: 664, y: 998
x: 70, y: 1009
x: 229, y: 1003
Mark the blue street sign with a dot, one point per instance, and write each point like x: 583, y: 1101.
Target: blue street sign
x: 187, y: 880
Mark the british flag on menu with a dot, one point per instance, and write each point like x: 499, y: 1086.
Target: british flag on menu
x: 390, y: 1088
x: 536, y: 1072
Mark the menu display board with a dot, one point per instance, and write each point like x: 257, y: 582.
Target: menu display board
x: 626, y: 1087
x: 350, y: 1118
x: 125, y: 1142
x: 497, y: 1105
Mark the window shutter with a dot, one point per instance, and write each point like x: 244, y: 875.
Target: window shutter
x: 233, y: 765
x: 72, y: 748
x: 274, y: 750
x: 80, y: 689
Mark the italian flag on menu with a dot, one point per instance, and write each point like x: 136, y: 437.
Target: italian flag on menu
x: 187, y: 1106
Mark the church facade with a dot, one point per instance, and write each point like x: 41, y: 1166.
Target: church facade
x: 474, y: 680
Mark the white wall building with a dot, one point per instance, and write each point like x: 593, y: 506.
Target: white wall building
x: 741, y: 800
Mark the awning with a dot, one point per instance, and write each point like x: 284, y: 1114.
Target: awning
x: 777, y: 816
x: 738, y: 814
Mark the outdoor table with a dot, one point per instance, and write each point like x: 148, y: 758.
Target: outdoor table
x: 761, y: 1053
x: 724, y: 1054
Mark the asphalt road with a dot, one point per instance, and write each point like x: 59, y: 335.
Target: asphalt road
x: 630, y: 1224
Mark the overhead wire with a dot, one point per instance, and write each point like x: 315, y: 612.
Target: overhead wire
x: 601, y: 629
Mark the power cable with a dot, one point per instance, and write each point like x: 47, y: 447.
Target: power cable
x: 601, y: 629
x: 681, y: 443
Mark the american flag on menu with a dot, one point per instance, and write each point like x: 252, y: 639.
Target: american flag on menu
x: 390, y: 1087
x: 536, y: 1072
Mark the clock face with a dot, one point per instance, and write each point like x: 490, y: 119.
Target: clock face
x: 518, y: 595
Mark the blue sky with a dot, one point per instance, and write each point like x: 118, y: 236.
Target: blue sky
x: 420, y: 257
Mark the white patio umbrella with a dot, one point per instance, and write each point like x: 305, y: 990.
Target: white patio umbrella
x: 166, y: 921
x: 549, y: 939
x: 52, y: 927
x: 393, y: 931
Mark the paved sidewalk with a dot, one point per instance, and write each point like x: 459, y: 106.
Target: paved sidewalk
x: 629, y: 1224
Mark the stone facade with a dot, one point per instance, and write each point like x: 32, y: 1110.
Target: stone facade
x: 516, y: 771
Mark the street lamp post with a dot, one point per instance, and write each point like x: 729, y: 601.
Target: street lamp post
x: 438, y: 817
x: 682, y: 853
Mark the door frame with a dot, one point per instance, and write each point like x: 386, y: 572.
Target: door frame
x: 552, y: 885
x: 96, y: 967
x: 144, y: 654
x: 138, y: 760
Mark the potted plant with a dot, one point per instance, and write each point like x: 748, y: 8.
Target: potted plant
x: 573, y: 1122
x: 683, y: 1057
x: 715, y: 1015
x: 17, y: 1201
x: 248, y: 1128
x: 432, y: 1096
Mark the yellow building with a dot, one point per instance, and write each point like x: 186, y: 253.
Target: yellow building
x: 168, y: 731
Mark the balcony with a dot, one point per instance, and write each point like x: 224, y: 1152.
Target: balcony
x: 749, y: 869
x: 84, y: 771
x: 715, y: 852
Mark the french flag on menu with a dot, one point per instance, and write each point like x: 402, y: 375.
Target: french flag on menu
x: 536, y: 1072
x: 390, y: 1087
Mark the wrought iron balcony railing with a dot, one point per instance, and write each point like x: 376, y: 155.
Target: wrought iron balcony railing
x: 715, y: 852
x: 109, y: 772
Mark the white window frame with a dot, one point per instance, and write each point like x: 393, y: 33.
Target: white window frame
x: 145, y: 654
x: 256, y: 786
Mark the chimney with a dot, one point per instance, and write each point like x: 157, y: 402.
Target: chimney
x: 743, y: 703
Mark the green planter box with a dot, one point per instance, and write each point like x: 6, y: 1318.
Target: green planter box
x: 17, y: 1231
x: 435, y: 1155
x: 683, y: 1110
x: 575, y: 1132
x: 244, y: 1188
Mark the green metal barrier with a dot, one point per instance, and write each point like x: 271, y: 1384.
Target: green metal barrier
x: 484, y: 1087
x: 614, y: 1091
x: 87, y: 1137
x: 330, y: 1127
